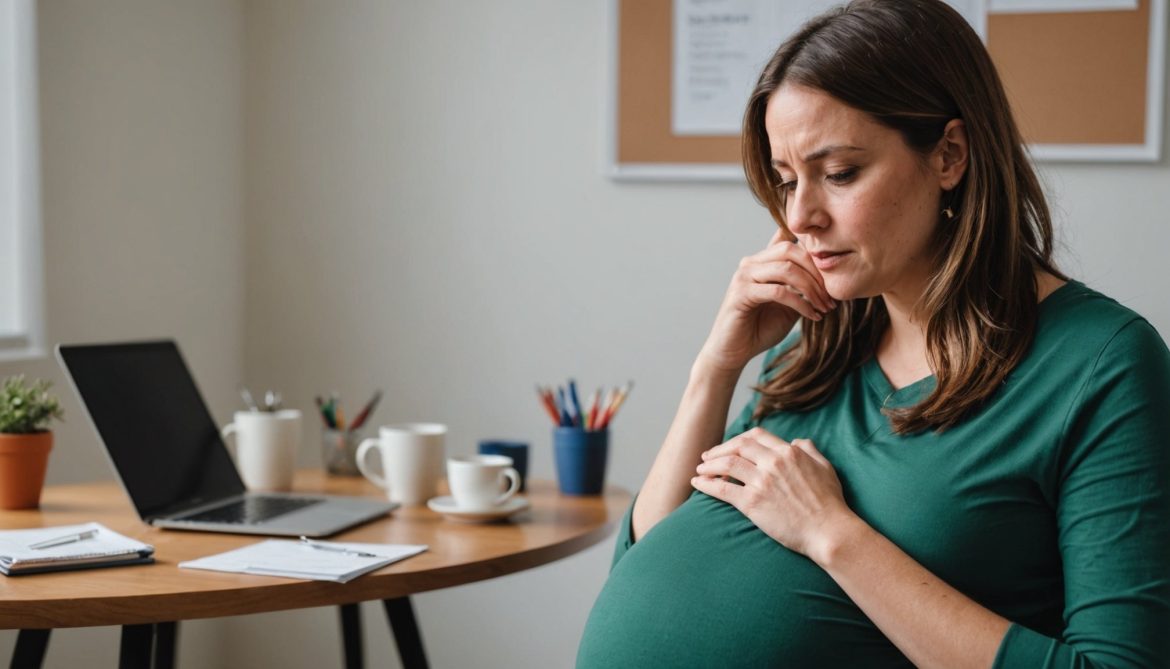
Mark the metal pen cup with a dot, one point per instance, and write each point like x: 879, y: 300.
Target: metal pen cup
x: 338, y: 448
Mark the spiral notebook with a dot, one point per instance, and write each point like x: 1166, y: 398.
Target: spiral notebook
x: 67, y: 547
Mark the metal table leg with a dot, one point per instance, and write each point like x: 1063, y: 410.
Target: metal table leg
x: 406, y: 633
x: 137, y: 643
x: 30, y: 649
x: 148, y: 646
x: 166, y: 641
x: 351, y: 635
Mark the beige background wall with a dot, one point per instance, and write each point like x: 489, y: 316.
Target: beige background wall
x: 142, y: 183
x: 408, y: 196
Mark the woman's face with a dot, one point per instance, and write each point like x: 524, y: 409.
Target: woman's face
x: 858, y: 198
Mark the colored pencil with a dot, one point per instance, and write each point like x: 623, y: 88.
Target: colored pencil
x: 364, y: 414
x: 550, y: 407
x: 618, y: 400
x: 566, y: 419
x: 591, y: 417
x: 321, y: 410
x: 578, y: 417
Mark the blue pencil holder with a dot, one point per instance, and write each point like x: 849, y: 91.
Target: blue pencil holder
x: 581, y: 457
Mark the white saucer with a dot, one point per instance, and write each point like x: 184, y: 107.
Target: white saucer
x: 446, y: 506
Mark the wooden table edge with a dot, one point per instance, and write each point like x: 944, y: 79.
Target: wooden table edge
x: 289, y: 594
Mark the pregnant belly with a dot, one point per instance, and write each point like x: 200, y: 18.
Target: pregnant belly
x: 706, y: 588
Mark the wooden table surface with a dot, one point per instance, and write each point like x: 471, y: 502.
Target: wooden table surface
x: 554, y: 527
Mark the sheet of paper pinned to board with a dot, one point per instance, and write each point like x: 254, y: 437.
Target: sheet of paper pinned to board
x: 720, y: 46
x: 1036, y: 6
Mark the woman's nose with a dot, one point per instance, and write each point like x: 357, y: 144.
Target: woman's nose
x: 804, y: 210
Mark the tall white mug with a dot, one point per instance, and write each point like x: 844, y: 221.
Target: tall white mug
x: 412, y: 461
x: 266, y: 447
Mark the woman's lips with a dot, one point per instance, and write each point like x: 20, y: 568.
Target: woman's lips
x: 827, y: 260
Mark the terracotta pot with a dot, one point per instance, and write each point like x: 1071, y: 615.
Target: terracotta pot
x: 23, y: 461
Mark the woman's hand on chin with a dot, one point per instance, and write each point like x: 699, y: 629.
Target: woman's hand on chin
x: 769, y: 292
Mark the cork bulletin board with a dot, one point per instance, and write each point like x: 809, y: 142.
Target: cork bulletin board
x: 1084, y: 86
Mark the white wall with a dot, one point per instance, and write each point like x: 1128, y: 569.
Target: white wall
x: 407, y: 195
x: 142, y: 157
x: 426, y: 214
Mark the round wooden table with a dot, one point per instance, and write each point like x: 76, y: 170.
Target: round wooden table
x: 554, y: 527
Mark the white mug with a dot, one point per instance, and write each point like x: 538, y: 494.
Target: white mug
x: 266, y: 447
x: 476, y: 481
x: 412, y: 461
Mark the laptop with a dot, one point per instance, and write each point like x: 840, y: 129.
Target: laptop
x: 169, y: 456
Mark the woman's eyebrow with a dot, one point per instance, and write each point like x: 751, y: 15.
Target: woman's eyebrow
x: 820, y: 153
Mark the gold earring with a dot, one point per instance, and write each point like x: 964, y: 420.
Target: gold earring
x: 949, y: 214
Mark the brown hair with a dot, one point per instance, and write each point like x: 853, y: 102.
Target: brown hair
x: 914, y: 65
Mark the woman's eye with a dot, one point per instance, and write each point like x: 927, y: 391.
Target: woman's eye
x: 786, y: 187
x: 842, y: 177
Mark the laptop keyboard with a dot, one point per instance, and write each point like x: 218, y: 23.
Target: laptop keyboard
x: 251, y: 510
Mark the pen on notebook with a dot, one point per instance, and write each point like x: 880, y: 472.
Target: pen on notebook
x: 67, y: 539
x: 335, y: 549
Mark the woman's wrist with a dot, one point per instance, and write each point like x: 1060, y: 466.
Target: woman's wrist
x: 705, y: 371
x: 839, y: 540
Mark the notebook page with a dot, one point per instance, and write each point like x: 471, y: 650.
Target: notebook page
x: 16, y: 545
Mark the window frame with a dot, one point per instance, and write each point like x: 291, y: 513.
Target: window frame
x: 22, y: 216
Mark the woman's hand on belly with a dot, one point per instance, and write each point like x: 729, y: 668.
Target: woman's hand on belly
x: 787, y: 489
x: 791, y: 492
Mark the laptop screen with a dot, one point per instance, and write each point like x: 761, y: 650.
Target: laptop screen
x: 155, y: 426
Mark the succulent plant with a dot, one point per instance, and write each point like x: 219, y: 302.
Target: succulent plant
x: 27, y: 408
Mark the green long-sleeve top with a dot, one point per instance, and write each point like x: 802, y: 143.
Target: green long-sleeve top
x: 1050, y: 507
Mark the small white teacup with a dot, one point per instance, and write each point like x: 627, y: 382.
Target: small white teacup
x: 476, y: 481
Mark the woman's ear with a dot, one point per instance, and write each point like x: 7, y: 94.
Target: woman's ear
x: 952, y: 154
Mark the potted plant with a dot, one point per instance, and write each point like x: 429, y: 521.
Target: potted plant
x: 25, y: 440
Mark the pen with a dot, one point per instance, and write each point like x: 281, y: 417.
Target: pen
x: 330, y: 407
x: 549, y: 405
x: 247, y: 395
x: 591, y: 415
x: 360, y: 419
x: 618, y: 400
x: 336, y: 549
x: 321, y: 410
x: 578, y: 417
x: 566, y: 419
x: 67, y: 539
